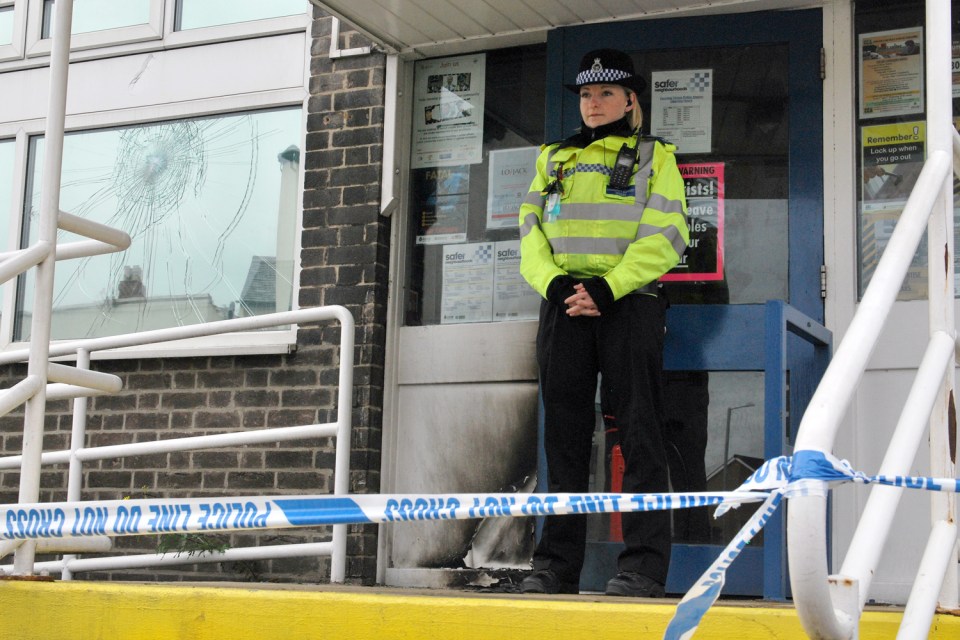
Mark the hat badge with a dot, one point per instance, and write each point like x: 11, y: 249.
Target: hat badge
x: 597, y: 67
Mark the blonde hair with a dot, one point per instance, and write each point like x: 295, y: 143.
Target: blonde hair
x: 635, y: 115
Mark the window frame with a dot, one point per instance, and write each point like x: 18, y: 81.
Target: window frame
x: 37, y: 45
x: 14, y: 50
x: 30, y: 51
x: 264, y: 26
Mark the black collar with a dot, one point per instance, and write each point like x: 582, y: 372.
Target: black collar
x: 586, y: 135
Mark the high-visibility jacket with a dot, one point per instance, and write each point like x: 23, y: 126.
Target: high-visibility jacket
x: 629, y: 237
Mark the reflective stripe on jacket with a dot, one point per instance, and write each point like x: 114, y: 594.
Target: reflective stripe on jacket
x: 628, y: 238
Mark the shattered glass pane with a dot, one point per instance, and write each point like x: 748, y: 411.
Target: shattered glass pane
x: 194, y: 14
x: 99, y: 15
x: 210, y: 205
x: 6, y: 26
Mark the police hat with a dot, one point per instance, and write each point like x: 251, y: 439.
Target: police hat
x: 607, y: 66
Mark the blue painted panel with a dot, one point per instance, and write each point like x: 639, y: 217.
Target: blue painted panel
x: 714, y: 337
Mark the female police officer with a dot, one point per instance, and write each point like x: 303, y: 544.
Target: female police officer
x: 604, y: 219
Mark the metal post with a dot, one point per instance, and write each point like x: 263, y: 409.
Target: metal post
x: 941, y: 283
x: 78, y: 432
x: 935, y: 564
x: 35, y: 408
x: 341, y: 474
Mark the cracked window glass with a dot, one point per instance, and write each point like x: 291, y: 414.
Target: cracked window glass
x: 99, y: 15
x: 210, y: 205
x: 194, y: 14
x: 6, y: 26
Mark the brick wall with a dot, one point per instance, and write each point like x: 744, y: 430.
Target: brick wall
x: 344, y: 258
x: 346, y: 240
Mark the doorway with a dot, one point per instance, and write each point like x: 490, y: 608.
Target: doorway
x: 741, y: 97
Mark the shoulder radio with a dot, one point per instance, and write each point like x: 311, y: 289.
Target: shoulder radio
x: 623, y: 167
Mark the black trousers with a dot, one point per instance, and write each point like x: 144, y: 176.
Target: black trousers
x: 625, y: 346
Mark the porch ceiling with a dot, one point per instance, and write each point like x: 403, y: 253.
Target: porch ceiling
x: 418, y: 28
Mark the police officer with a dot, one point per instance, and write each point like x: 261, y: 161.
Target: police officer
x: 605, y: 217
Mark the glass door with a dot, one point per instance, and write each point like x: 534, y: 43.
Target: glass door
x: 741, y: 96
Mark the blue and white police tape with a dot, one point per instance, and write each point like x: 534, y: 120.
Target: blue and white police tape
x: 701, y: 596
x: 154, y: 516
x: 807, y: 472
x: 791, y: 472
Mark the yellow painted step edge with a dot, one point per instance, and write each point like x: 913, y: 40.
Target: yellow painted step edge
x: 110, y: 611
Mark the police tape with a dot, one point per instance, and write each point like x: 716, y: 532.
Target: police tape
x: 208, y: 515
x: 702, y: 595
x: 807, y: 472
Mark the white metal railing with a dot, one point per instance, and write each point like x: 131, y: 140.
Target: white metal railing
x: 830, y: 606
x: 77, y: 454
x: 46, y: 380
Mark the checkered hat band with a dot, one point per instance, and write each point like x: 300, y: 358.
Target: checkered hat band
x: 599, y: 77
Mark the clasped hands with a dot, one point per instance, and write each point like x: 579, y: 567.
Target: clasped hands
x: 581, y: 303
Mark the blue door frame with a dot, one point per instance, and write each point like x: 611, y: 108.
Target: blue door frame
x: 743, y: 337
x: 793, y: 351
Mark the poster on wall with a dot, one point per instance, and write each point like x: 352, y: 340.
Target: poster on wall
x: 893, y: 156
x: 511, y: 172
x: 513, y: 298
x: 467, y: 283
x: 891, y: 73
x: 448, y: 111
x: 482, y: 283
x: 442, y: 204
x: 682, y: 108
x: 703, y: 260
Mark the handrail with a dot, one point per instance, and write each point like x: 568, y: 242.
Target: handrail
x: 878, y: 514
x: 814, y: 591
x: 339, y: 429
x: 829, y: 606
x: 806, y: 517
x: 233, y: 325
x: 16, y: 262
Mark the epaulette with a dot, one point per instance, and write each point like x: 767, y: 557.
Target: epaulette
x: 662, y: 141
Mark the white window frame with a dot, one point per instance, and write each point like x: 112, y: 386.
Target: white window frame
x: 159, y: 34
x: 14, y: 50
x: 217, y: 33
x: 13, y: 228
x: 39, y: 46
